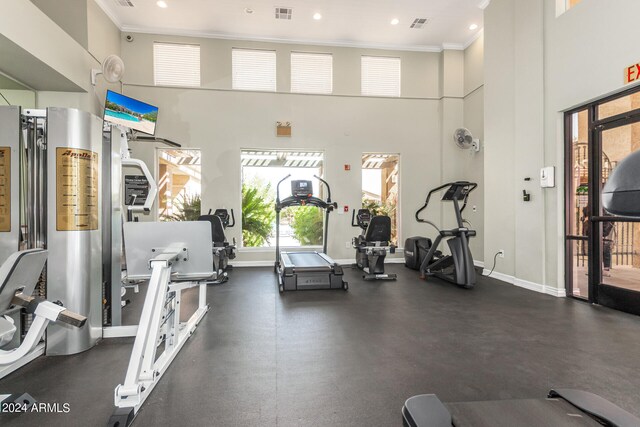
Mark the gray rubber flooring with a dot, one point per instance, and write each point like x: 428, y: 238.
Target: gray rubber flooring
x: 335, y: 358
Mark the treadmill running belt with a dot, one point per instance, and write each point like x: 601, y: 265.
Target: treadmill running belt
x: 519, y: 413
x: 307, y: 259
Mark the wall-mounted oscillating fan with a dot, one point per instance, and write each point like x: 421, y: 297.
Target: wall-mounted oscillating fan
x: 465, y: 140
x: 112, y: 70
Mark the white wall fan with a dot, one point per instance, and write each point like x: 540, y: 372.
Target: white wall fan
x: 112, y: 70
x: 465, y: 140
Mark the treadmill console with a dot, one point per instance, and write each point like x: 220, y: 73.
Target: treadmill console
x: 301, y: 189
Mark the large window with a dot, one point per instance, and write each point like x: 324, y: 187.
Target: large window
x: 380, y: 187
x: 176, y: 64
x: 179, y: 184
x: 261, y: 171
x: 311, y: 72
x: 254, y: 69
x: 380, y: 76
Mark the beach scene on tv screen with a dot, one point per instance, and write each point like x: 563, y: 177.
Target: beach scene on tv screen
x: 125, y: 111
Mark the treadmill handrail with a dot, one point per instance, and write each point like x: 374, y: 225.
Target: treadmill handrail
x: 326, y: 184
x: 278, y: 188
x: 311, y: 201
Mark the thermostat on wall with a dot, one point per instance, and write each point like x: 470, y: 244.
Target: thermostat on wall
x: 548, y: 177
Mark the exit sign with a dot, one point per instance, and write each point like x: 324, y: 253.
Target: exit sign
x: 632, y: 73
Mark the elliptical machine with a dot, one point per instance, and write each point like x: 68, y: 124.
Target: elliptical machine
x: 371, y: 246
x: 422, y: 255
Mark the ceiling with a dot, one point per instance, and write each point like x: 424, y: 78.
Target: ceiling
x: 357, y: 23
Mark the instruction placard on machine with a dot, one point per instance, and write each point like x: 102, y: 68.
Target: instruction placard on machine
x: 136, y: 188
x: 76, y: 189
x: 5, y: 189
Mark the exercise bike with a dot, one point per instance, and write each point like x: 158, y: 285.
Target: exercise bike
x: 223, y: 251
x: 423, y: 255
x: 371, y: 246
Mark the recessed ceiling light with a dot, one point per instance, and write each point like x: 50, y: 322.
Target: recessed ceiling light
x: 317, y: 16
x: 248, y: 10
x: 163, y: 4
x: 473, y: 27
x: 395, y: 21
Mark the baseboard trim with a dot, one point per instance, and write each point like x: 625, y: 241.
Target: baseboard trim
x: 252, y: 263
x: 342, y: 261
x: 525, y: 284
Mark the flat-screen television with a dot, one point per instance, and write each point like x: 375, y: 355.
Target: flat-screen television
x: 131, y: 113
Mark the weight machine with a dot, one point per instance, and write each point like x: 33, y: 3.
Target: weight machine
x: 173, y: 256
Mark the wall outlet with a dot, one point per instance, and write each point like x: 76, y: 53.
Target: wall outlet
x: 347, y: 245
x: 501, y: 253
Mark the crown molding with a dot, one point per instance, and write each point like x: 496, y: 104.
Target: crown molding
x: 107, y: 10
x: 474, y: 38
x: 240, y: 37
x: 484, y: 3
x: 337, y: 43
x: 452, y: 46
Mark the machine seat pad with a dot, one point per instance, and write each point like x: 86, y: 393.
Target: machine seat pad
x: 20, y: 271
x: 379, y: 229
x: 519, y: 413
x: 217, y: 230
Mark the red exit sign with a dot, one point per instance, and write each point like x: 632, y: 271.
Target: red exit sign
x: 632, y: 73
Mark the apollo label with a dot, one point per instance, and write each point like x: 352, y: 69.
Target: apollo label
x: 5, y: 189
x: 76, y: 189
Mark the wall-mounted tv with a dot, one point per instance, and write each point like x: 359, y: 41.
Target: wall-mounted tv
x: 131, y: 113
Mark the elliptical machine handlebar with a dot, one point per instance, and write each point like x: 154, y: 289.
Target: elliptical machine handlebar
x: 472, y: 186
x: 426, y: 203
x: 469, y: 185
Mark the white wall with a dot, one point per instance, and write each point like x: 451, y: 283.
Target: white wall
x: 472, y: 164
x: 69, y: 15
x: 221, y: 122
x: 538, y: 65
x: 51, y: 57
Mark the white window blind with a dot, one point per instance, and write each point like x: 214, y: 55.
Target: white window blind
x: 311, y: 72
x: 380, y: 76
x: 176, y: 64
x: 254, y: 69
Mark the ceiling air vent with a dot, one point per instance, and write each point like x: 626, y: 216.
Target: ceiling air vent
x: 419, y: 23
x: 283, y: 13
x: 125, y: 3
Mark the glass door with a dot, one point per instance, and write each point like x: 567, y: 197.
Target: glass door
x: 618, y: 239
x: 602, y: 261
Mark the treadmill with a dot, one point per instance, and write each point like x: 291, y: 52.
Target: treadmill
x: 305, y: 270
